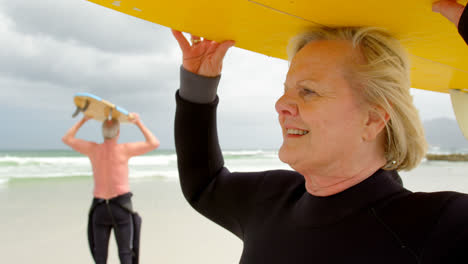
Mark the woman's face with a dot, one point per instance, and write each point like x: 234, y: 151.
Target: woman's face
x: 321, y: 116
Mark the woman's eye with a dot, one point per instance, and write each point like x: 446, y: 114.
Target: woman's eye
x: 306, y: 91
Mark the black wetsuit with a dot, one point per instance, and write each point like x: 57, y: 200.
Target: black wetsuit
x: 376, y: 221
x: 114, y: 213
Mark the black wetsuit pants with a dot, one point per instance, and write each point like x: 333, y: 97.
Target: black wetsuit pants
x: 106, y: 215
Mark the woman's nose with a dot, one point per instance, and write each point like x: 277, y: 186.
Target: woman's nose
x: 286, y: 106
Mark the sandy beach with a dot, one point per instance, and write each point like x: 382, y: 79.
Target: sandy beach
x: 45, y: 222
x: 45, y: 219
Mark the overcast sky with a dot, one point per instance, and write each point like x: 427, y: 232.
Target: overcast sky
x: 52, y: 49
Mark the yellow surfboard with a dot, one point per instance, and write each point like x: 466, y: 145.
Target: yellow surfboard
x: 99, y: 109
x: 438, y: 54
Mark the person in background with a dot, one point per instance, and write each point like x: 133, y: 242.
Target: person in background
x: 112, y: 206
x: 349, y: 125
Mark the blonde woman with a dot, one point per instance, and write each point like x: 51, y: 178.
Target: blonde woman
x: 348, y: 126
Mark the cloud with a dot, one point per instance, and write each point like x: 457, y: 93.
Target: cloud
x: 52, y: 49
x: 86, y: 23
x: 46, y: 59
x: 40, y: 64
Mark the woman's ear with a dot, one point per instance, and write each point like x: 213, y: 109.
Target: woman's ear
x: 376, y: 120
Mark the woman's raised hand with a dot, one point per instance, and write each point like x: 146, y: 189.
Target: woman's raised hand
x: 449, y: 9
x: 202, y: 57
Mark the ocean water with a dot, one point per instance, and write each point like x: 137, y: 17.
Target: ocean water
x: 30, y: 166
x: 48, y: 164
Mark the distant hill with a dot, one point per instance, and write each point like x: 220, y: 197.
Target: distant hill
x: 445, y: 133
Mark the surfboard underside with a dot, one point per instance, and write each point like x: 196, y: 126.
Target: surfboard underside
x: 99, y: 109
x: 439, y: 55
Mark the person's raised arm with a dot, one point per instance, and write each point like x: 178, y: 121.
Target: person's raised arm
x: 449, y: 9
x: 196, y: 139
x: 203, y: 57
x: 201, y: 67
x: 82, y: 146
x: 140, y: 148
x: 224, y: 197
x: 454, y: 12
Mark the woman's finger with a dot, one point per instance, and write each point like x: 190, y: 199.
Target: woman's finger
x: 195, y: 39
x: 212, y: 46
x: 222, y: 49
x: 183, y: 43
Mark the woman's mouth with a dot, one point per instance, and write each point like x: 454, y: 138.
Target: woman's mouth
x: 298, y: 132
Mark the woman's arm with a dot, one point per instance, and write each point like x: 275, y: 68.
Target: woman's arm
x: 208, y: 186
x: 454, y: 12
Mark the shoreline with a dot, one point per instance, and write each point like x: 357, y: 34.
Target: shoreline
x: 447, y: 157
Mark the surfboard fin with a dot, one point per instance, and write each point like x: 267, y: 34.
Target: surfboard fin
x: 80, y: 109
x: 460, y: 107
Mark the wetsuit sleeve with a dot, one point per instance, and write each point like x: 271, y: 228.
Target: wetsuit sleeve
x: 224, y: 197
x: 197, y: 89
x: 463, y: 25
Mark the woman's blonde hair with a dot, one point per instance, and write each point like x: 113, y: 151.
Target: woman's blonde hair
x: 385, y: 80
